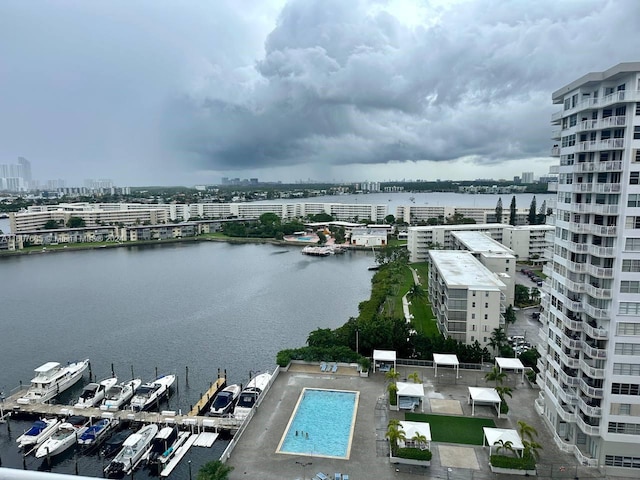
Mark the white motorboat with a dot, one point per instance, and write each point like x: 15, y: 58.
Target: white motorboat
x: 52, y: 379
x: 93, y: 393
x: 249, y: 395
x: 134, y: 449
x: 118, y: 395
x: 96, y: 432
x: 164, y: 445
x: 39, y: 432
x: 224, y: 400
x: 64, y: 437
x: 151, y: 393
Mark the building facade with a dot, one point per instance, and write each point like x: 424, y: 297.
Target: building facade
x: 590, y: 339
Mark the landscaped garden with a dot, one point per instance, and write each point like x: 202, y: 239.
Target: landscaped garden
x: 453, y: 429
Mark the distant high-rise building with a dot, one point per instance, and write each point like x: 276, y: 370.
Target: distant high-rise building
x: 590, y: 338
x: 15, y: 177
x: 527, y: 177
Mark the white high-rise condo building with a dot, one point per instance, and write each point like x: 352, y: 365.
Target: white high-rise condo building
x: 590, y: 339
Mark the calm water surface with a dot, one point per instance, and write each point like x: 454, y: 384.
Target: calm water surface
x: 203, y: 306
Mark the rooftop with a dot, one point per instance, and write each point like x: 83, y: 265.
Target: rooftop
x: 462, y: 269
x: 479, y: 242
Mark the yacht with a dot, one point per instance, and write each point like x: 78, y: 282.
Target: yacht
x: 64, y: 437
x: 164, y: 445
x: 118, y: 395
x: 134, y: 449
x: 224, y: 400
x: 249, y: 395
x: 39, y: 432
x: 96, y: 432
x: 52, y: 379
x: 93, y: 393
x: 151, y: 393
x: 114, y: 443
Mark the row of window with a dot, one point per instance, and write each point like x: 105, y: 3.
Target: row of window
x: 620, y: 461
x: 629, y: 308
x: 625, y: 389
x: 627, y: 349
x: 628, y: 328
x: 626, y: 369
x: 630, y: 265
x: 626, y: 428
x: 630, y: 286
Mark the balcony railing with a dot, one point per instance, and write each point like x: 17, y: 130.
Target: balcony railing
x: 596, y: 187
x: 571, y: 342
x: 595, y: 333
x: 577, y: 287
x: 586, y: 125
x: 556, y: 134
x: 594, y: 352
x: 568, y: 395
x: 598, y: 145
x: 615, y: 97
x: 555, y: 151
x: 587, y: 167
x: 567, y: 415
x: 594, y: 208
x: 601, y: 251
x: 572, y: 324
x: 586, y: 428
x: 601, y: 313
x: 600, y: 272
x: 576, y: 267
x: 568, y: 379
x: 591, y: 391
x: 603, y: 293
x: 591, y: 371
x: 589, y: 410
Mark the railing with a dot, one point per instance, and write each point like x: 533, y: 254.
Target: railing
x: 591, y: 371
x: 556, y: 134
x: 576, y: 287
x: 587, y: 167
x: 591, y: 391
x: 571, y: 342
x: 601, y: 251
x: 594, y: 208
x: 594, y: 352
x: 618, y: 121
x: 555, y: 151
x: 597, y: 145
x: 576, y: 267
x: 595, y: 312
x: 615, y: 97
x: 586, y: 428
x: 568, y: 379
x: 595, y: 333
x: 604, y: 293
x: 589, y: 410
x: 568, y: 395
x: 572, y: 324
x: 567, y: 415
x: 600, y: 271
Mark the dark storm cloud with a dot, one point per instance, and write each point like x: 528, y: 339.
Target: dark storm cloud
x: 340, y: 83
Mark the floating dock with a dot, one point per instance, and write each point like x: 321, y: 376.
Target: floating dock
x: 207, y: 397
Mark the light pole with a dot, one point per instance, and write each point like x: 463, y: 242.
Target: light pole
x: 304, y: 466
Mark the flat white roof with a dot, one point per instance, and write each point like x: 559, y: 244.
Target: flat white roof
x: 480, y: 242
x: 509, y: 363
x: 445, y: 359
x: 384, y: 355
x: 411, y: 428
x: 462, y: 269
x: 406, y: 389
x: 484, y: 394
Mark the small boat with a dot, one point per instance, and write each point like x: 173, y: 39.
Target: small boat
x: 118, y: 395
x: 151, y: 393
x: 249, y: 395
x: 64, y: 437
x: 114, y: 444
x: 134, y: 449
x: 38, y: 433
x: 93, y: 393
x: 161, y: 443
x: 52, y: 379
x: 224, y: 400
x: 96, y: 432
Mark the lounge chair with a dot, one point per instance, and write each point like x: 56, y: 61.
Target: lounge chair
x: 322, y: 476
x: 323, y: 367
x: 335, y: 368
x: 345, y: 476
x: 337, y: 476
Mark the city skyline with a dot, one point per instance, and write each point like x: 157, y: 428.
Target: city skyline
x: 292, y: 90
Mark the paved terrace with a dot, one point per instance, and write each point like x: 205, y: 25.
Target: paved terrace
x: 254, y: 456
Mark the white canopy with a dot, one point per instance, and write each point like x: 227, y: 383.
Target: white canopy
x: 510, y: 364
x: 483, y: 395
x: 410, y: 429
x: 502, y: 435
x: 412, y: 393
x: 385, y: 356
x: 447, y: 359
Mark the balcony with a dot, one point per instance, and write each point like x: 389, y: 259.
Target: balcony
x: 609, y: 122
x: 594, y: 352
x: 569, y: 361
x: 567, y: 413
x: 571, y: 323
x: 591, y: 371
x: 573, y: 343
x: 576, y: 287
x: 598, y: 145
x: 589, y: 410
x: 595, y: 332
x: 556, y: 134
x: 554, y: 169
x: 616, y: 97
x: 600, y: 272
x: 602, y: 293
x: 568, y: 395
x: 600, y: 313
x: 576, y: 267
x: 601, y: 251
x: 586, y: 428
x: 556, y: 116
x: 555, y: 151
x: 591, y: 391
x: 596, y: 187
x: 568, y: 379
x: 594, y: 208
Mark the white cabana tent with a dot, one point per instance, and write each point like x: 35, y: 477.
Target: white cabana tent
x: 383, y: 359
x: 410, y: 395
x: 483, y: 395
x: 410, y: 429
x: 447, y: 359
x: 511, y: 364
x: 493, y: 436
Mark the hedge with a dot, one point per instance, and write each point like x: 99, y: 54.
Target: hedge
x: 414, y: 454
x: 516, y: 463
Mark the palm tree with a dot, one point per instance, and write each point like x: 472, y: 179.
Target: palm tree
x: 392, y: 375
x: 495, y: 375
x: 394, y: 434
x: 531, y: 450
x: 415, y: 377
x: 508, y: 445
x: 498, y: 339
x: 526, y: 431
x: 502, y: 391
x: 214, y: 471
x: 420, y: 440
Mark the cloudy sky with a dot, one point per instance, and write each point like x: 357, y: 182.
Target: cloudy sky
x: 185, y: 92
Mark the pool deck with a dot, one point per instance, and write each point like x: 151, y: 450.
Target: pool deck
x: 254, y: 456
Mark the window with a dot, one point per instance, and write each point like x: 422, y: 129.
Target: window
x: 624, y: 409
x: 626, y: 428
x: 631, y: 265
x: 638, y: 108
x: 628, y: 328
x: 627, y: 349
x: 632, y: 244
x: 625, y: 389
x: 485, y: 328
x: 620, y: 461
x: 473, y: 317
x: 486, y: 317
x: 632, y: 222
x: 473, y: 338
x: 630, y: 286
x: 485, y: 340
x: 633, y: 200
x: 626, y: 369
x: 636, y: 132
x: 473, y: 304
x: 629, y: 308
x: 486, y: 305
x: 636, y: 155
x: 486, y: 294
x: 473, y: 328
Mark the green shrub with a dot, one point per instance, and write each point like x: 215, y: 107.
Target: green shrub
x: 414, y: 454
x: 504, y: 408
x: 516, y: 463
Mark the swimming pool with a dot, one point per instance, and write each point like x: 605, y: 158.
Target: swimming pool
x: 305, y: 239
x: 321, y: 424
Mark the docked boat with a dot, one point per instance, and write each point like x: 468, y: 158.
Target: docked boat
x: 38, y: 433
x: 224, y: 400
x: 164, y: 445
x: 118, y: 395
x: 96, y: 432
x: 151, y: 393
x: 134, y: 449
x: 114, y: 443
x: 52, y: 379
x: 249, y: 395
x: 63, y: 438
x: 93, y: 393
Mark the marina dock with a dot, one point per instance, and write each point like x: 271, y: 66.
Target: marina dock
x: 206, y: 399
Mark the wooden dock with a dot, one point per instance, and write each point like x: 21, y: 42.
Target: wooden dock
x: 204, y: 402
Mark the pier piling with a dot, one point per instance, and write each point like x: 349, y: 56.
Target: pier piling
x: 186, y: 375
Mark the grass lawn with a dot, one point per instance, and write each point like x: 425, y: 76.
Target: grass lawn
x: 423, y: 317
x: 453, y: 429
